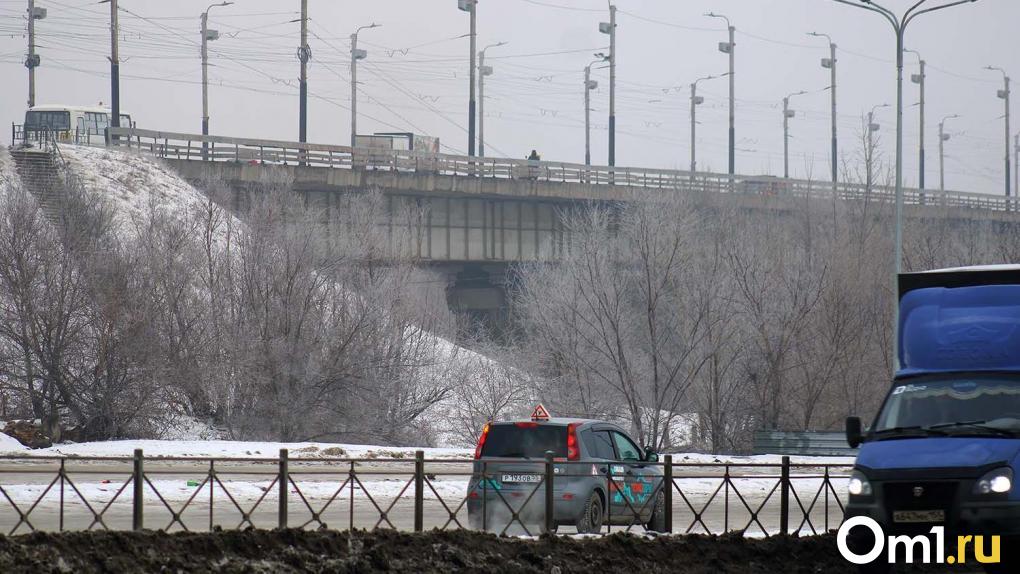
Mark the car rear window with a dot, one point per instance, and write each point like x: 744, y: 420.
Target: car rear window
x: 525, y: 440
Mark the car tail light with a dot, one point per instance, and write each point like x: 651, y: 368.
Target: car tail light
x: 573, y: 449
x: 481, y: 441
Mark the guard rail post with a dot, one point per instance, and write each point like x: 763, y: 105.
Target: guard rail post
x: 283, y: 479
x: 550, y: 518
x: 419, y: 490
x: 667, y: 491
x: 138, y: 484
x: 784, y: 497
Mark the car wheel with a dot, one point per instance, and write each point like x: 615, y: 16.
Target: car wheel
x: 590, y: 520
x: 657, y: 523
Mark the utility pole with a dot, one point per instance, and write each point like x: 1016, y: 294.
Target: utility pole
x: 730, y: 48
x: 589, y: 85
x: 114, y: 65
x: 787, y: 114
x: 483, y: 71
x: 696, y: 101
x: 356, y: 55
x: 471, y: 7
x: 610, y: 29
x: 943, y: 138
x: 919, y: 80
x: 207, y: 36
x: 304, y: 55
x: 1004, y: 95
x: 32, y: 61
x: 1016, y: 163
x: 870, y: 152
x: 830, y: 64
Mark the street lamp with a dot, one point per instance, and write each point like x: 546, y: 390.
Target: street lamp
x: 830, y: 64
x: 943, y: 138
x: 470, y: 6
x: 609, y: 28
x: 356, y: 55
x: 919, y: 80
x: 696, y: 101
x: 483, y: 71
x: 589, y: 85
x: 899, y: 25
x: 207, y: 36
x: 729, y: 48
x: 1004, y: 95
x: 869, y: 154
x: 787, y: 114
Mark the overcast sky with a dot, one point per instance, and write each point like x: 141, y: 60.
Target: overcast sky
x: 415, y: 78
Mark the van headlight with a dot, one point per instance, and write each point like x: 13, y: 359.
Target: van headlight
x: 998, y: 481
x: 858, y: 485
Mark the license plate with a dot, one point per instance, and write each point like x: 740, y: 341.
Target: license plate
x: 522, y: 478
x: 919, y: 516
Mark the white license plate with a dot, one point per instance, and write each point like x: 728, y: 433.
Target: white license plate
x: 919, y: 516
x: 522, y: 478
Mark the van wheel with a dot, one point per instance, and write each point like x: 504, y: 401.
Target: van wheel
x: 657, y: 523
x: 590, y: 520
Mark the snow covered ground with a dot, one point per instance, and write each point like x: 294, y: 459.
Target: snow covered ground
x: 8, y: 173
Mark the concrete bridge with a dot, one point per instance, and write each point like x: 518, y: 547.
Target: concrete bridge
x: 473, y: 217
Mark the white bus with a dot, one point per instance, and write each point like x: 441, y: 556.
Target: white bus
x: 79, y: 124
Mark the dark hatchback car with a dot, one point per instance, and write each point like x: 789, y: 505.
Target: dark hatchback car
x: 600, y: 476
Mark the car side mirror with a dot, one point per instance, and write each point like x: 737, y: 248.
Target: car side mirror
x: 651, y: 455
x: 854, y: 436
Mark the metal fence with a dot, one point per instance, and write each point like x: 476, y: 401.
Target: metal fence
x: 413, y: 494
x: 183, y: 146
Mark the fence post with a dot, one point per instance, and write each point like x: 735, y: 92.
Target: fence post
x: 284, y: 481
x: 419, y: 490
x: 138, y: 482
x: 784, y: 497
x: 667, y: 491
x: 550, y: 517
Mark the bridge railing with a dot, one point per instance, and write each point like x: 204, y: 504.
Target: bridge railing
x: 184, y: 146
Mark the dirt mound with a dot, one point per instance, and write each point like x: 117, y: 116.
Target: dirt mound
x: 265, y: 551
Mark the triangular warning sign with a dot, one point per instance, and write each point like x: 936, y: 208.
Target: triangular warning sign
x: 540, y: 413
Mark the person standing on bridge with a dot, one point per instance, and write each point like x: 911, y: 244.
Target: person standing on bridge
x: 534, y: 156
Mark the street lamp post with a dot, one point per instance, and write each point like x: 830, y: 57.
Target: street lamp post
x: 830, y: 64
x: 609, y: 28
x: 696, y: 101
x: 943, y: 138
x: 730, y: 48
x: 356, y: 55
x: 899, y: 25
x: 483, y: 71
x: 919, y: 80
x: 207, y: 36
x: 471, y: 7
x: 869, y: 155
x: 1004, y: 95
x: 787, y: 114
x: 589, y: 85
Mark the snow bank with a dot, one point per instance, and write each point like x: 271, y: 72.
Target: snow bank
x: 8, y: 171
x: 243, y: 449
x: 10, y: 445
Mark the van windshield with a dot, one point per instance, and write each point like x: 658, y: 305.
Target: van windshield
x: 525, y: 440
x: 957, y: 405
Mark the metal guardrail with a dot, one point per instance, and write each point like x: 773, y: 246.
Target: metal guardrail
x: 804, y: 443
x: 54, y: 493
x: 184, y: 146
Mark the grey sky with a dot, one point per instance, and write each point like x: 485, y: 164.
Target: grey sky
x: 415, y: 77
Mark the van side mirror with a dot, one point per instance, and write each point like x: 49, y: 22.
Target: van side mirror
x: 651, y: 455
x: 854, y: 436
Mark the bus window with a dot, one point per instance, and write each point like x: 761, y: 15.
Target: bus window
x: 60, y: 121
x: 125, y: 121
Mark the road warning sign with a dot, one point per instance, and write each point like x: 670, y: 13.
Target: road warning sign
x: 540, y: 413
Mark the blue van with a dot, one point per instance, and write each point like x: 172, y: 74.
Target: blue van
x: 944, y: 449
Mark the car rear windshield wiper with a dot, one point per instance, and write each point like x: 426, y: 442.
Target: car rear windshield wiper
x: 980, y: 425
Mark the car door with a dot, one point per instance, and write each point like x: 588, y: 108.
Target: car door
x: 633, y: 484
